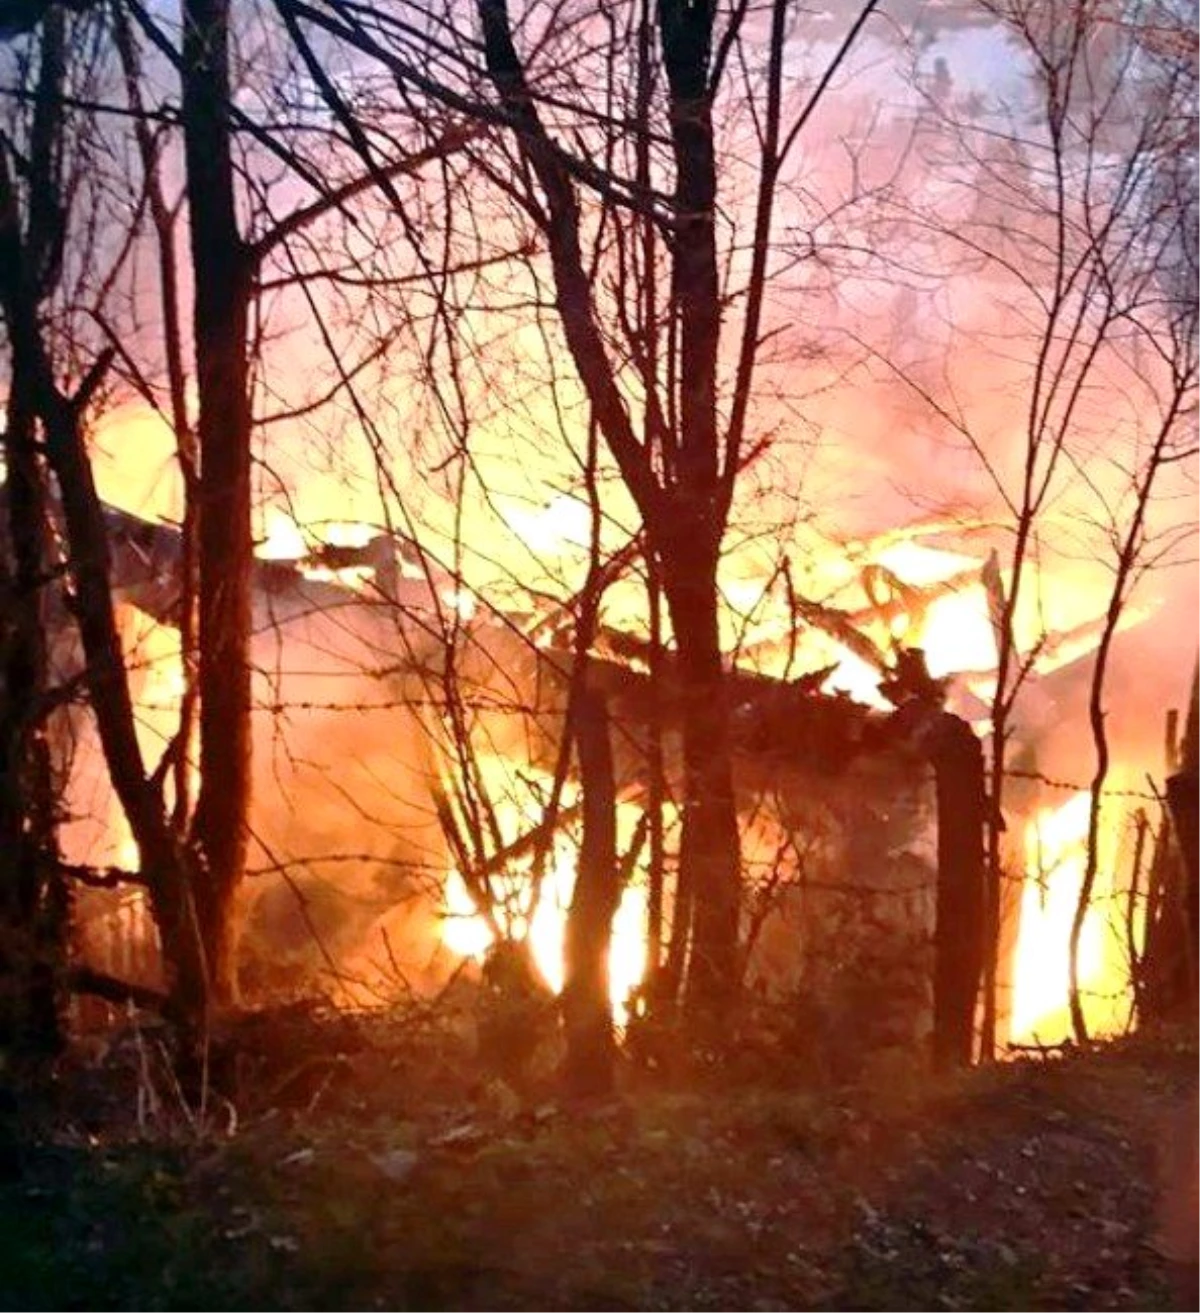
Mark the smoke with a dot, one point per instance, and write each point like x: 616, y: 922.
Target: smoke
x: 896, y: 388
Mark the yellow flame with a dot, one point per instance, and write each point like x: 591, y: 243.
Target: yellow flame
x: 464, y: 931
x: 957, y: 633
x: 859, y: 680
x: 917, y: 563
x: 127, y: 856
x: 467, y: 933
x: 346, y: 533
x: 1056, y: 854
x: 282, y: 539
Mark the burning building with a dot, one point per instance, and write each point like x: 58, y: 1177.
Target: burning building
x: 407, y: 741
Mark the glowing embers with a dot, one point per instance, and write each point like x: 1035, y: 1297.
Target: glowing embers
x: 519, y: 914
x: 1055, y: 860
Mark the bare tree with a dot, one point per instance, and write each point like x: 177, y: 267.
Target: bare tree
x: 60, y: 418
x: 647, y: 319
x: 220, y: 323
x: 34, y: 899
x: 1075, y: 221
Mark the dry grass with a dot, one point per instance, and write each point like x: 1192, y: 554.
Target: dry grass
x: 372, y: 1166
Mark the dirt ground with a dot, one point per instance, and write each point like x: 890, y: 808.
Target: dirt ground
x: 366, y: 1165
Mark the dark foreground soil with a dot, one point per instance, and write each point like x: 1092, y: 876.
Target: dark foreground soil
x: 369, y: 1175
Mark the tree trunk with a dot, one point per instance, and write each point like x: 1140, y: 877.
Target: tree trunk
x: 35, y: 898
x: 1169, y: 961
x: 709, y: 855
x: 34, y: 901
x: 1182, y: 800
x: 221, y: 272
x: 163, y: 864
x: 689, y: 545
x: 959, y: 937
x: 587, y: 1011
x: 166, y: 868
x: 684, y: 505
x: 28, y: 270
x: 658, y: 987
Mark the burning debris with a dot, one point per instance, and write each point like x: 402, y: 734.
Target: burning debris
x: 695, y: 715
x: 851, y: 811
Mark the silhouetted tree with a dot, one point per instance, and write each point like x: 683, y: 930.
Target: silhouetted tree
x: 635, y: 178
